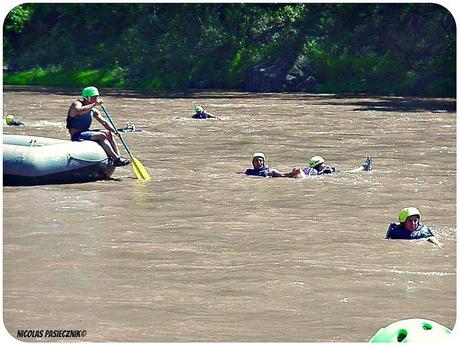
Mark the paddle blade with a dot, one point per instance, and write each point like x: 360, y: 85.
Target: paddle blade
x: 139, y: 169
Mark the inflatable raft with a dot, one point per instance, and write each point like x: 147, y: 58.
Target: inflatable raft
x: 29, y: 160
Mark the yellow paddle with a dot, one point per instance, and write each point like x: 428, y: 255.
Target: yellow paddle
x: 139, y: 169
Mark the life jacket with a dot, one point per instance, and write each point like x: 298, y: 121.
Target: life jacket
x: 397, y: 231
x: 310, y: 171
x: 82, y: 121
x: 16, y: 123
x: 264, y: 172
x: 314, y: 172
x: 202, y: 115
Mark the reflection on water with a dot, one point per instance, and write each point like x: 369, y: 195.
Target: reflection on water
x: 203, y: 253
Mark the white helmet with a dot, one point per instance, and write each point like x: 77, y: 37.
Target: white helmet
x: 259, y: 154
x: 315, y: 161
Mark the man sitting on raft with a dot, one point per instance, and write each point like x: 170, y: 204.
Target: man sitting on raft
x: 79, y: 120
x: 410, y: 227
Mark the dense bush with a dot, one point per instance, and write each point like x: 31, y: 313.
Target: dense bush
x: 377, y: 48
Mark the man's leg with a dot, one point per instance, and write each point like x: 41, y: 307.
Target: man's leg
x: 120, y: 161
x: 112, y: 141
x: 102, y: 140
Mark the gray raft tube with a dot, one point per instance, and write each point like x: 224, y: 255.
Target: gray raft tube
x: 29, y: 160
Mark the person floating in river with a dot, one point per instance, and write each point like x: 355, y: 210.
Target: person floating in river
x: 11, y: 121
x: 316, y: 167
x: 260, y: 168
x: 79, y: 120
x: 410, y: 227
x: 200, y: 113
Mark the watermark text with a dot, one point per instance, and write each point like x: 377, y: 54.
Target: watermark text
x: 51, y: 333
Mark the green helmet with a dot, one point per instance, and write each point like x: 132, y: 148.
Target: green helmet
x: 408, y: 212
x: 89, y: 92
x: 411, y: 331
x: 198, y: 109
x: 315, y: 161
x: 9, y: 119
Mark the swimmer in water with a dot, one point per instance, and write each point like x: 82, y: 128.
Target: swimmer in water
x: 200, y: 113
x: 260, y: 168
x: 410, y: 227
x: 317, y: 167
x: 11, y: 121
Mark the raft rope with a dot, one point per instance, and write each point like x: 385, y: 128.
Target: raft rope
x: 70, y: 157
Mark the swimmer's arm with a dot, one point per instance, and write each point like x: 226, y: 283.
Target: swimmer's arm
x: 212, y: 116
x: 434, y: 240
x: 277, y: 173
x: 296, y: 172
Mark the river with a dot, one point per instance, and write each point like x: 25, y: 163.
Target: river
x: 204, y: 253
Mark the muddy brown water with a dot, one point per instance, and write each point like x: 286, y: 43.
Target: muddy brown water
x: 203, y: 253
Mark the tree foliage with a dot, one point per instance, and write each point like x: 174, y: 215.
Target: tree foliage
x: 379, y: 48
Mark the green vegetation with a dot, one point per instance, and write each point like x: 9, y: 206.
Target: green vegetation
x: 52, y: 76
x: 376, y: 48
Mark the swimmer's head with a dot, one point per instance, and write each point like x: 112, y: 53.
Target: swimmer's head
x: 408, y: 212
x: 198, y: 109
x: 9, y: 119
x: 412, y: 331
x: 258, y: 159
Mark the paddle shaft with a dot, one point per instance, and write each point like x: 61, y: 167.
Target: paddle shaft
x: 116, y: 130
x: 139, y: 169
